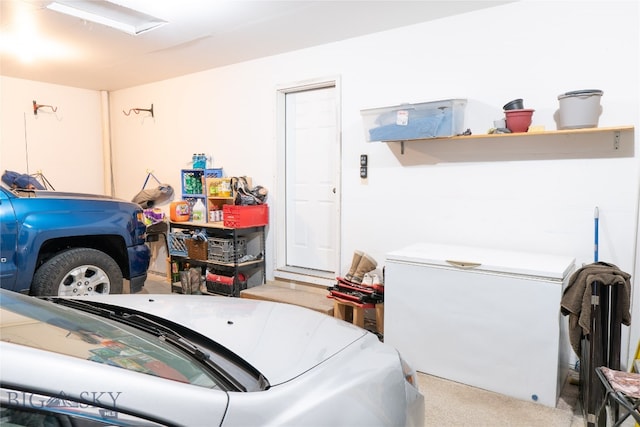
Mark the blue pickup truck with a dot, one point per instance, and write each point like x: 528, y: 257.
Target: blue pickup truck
x: 54, y: 243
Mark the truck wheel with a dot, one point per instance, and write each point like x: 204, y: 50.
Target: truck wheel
x: 80, y: 271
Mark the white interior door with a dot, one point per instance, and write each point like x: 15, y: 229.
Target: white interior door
x: 311, y: 183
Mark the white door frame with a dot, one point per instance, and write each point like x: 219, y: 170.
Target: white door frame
x: 281, y: 270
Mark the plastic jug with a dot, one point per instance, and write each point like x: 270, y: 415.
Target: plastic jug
x: 225, y: 188
x: 179, y: 211
x: 198, y: 212
x: 199, y: 161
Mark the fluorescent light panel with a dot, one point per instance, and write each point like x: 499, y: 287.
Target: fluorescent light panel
x: 110, y: 14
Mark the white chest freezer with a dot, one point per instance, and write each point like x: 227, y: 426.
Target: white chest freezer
x: 487, y: 318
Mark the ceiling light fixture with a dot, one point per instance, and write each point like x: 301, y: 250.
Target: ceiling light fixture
x: 107, y: 13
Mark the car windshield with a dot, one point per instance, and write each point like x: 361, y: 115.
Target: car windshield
x: 40, y: 324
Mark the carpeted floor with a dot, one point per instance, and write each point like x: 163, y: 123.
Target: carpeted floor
x: 448, y: 403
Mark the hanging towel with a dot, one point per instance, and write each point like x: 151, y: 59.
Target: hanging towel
x: 576, y: 298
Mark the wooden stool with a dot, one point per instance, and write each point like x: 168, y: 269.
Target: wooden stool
x: 344, y: 309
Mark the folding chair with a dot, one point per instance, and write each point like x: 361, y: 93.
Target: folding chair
x: 621, y: 388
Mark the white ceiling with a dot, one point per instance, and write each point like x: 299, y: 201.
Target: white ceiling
x: 200, y: 35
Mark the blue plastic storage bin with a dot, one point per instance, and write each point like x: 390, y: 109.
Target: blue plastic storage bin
x: 415, y: 121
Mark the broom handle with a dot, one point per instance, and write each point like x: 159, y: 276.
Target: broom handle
x: 596, y: 217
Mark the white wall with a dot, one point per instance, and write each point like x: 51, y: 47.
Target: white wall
x: 531, y: 49
x: 489, y: 57
x: 66, y: 145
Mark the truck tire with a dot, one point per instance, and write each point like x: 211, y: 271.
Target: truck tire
x: 79, y: 271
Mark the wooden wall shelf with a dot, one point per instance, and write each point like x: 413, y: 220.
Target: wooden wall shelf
x: 604, y: 142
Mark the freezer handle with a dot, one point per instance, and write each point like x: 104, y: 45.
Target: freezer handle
x: 463, y: 264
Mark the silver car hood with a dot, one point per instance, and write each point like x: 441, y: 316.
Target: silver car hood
x: 281, y: 341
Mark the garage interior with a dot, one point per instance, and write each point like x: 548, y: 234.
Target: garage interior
x: 97, y: 110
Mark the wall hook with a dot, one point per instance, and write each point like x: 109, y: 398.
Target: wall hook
x: 137, y: 110
x: 37, y: 106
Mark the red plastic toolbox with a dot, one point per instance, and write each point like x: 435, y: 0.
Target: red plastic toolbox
x: 236, y: 216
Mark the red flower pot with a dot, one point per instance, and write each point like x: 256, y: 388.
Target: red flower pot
x: 518, y: 120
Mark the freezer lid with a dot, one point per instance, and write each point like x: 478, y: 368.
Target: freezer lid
x: 486, y: 259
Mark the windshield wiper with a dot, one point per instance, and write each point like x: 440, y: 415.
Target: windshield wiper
x: 159, y: 330
x: 170, y: 336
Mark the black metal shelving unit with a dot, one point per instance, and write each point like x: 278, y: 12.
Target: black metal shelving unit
x: 254, y: 270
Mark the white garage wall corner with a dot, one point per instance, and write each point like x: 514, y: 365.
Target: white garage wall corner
x: 105, y: 122
x: 65, y: 146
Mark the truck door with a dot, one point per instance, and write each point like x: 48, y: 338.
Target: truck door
x: 8, y: 235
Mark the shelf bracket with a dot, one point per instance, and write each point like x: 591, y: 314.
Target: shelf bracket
x: 616, y: 140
